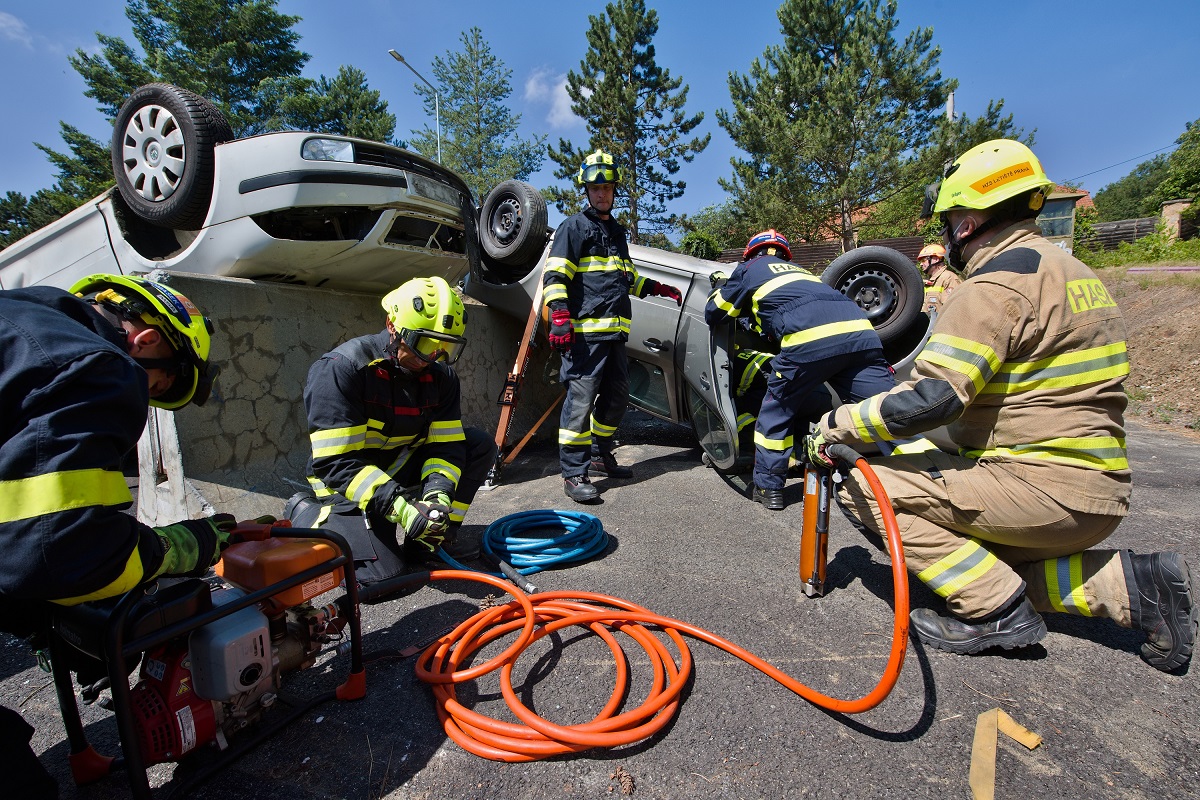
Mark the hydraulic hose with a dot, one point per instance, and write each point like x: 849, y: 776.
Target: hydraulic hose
x: 440, y: 665
x: 507, y: 540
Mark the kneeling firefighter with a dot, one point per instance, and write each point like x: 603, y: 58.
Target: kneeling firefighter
x: 383, y: 416
x: 1025, y: 364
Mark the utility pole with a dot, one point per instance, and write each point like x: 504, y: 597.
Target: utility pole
x: 437, y: 113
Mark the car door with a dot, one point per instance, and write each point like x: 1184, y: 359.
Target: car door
x: 653, y: 333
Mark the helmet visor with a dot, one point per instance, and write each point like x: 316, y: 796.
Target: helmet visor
x: 599, y: 173
x: 430, y: 346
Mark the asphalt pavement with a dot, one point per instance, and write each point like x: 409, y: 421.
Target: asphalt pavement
x: 684, y: 544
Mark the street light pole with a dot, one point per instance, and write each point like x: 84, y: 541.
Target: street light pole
x: 437, y: 112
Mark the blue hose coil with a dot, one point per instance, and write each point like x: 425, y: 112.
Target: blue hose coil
x: 582, y: 538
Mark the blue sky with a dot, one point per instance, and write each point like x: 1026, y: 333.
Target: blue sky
x: 1102, y: 81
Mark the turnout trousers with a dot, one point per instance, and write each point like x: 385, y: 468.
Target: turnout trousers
x: 596, y: 376
x: 376, y: 542
x: 978, y: 534
x: 794, y: 392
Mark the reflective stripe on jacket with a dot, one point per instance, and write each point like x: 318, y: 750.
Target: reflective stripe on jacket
x: 367, y: 417
x: 72, y: 407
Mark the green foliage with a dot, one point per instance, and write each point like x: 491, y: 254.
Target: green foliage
x: 344, y: 105
x: 1159, y: 247
x: 479, y: 132
x: 1183, y: 169
x: 634, y: 110
x: 1132, y: 196
x: 831, y: 118
x: 700, y: 245
x: 726, y: 224
x: 1085, y: 224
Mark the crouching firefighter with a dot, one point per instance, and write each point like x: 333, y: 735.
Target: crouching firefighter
x: 1026, y: 364
x: 392, y: 468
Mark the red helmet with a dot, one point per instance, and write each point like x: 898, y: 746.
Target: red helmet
x: 768, y: 238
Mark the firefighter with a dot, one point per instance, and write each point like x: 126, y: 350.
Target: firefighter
x: 586, y: 286
x: 78, y: 372
x: 823, y: 336
x: 940, y: 280
x: 1026, y: 364
x: 383, y: 415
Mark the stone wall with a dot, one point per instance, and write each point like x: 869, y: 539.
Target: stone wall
x: 245, y: 451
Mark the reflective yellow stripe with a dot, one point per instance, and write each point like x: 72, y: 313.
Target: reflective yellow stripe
x: 868, y: 421
x: 745, y: 419
x: 442, y: 467
x: 600, y: 429
x: 26, y: 498
x: 718, y: 300
x: 363, y: 487
x: 602, y: 325
x: 825, y: 331
x: 318, y: 486
x: 976, y: 361
x: 560, y: 265
x: 602, y: 264
x: 753, y: 367
x: 952, y: 573
x: 555, y: 291
x: 335, y: 441
x: 775, y: 283
x: 458, y: 510
x: 446, y: 431
x: 1077, y: 368
x: 779, y: 445
x: 918, y: 444
x: 130, y: 577
x: 1064, y: 585
x: 572, y: 438
x: 1091, y: 452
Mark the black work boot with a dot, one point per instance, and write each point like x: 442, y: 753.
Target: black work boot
x: 1016, y: 625
x: 1160, y: 603
x: 458, y: 546
x: 580, y: 489
x: 771, y: 498
x: 605, y: 465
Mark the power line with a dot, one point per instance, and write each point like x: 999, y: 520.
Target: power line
x: 1119, y: 163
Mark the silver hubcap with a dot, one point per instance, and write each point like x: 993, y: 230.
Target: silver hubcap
x: 153, y: 153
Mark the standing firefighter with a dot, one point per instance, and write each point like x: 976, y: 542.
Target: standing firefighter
x: 383, y: 415
x: 587, y: 283
x: 823, y: 336
x: 77, y: 375
x: 1026, y: 364
x: 940, y: 280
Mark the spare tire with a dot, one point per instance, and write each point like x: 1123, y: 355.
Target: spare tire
x: 512, y: 223
x: 884, y: 283
x: 162, y: 151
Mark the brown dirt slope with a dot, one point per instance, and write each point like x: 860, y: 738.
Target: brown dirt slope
x: 1162, y: 317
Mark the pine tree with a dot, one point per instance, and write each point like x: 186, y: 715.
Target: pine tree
x: 831, y: 119
x: 479, y: 132
x: 344, y: 105
x: 634, y: 110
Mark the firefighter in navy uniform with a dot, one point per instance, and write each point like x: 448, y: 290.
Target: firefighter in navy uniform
x: 78, y: 373
x: 383, y: 415
x: 823, y: 336
x: 1026, y: 365
x: 586, y: 286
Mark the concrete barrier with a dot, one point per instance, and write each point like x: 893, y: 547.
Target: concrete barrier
x: 245, y: 451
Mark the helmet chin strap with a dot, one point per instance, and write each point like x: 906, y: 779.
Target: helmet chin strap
x: 954, y: 249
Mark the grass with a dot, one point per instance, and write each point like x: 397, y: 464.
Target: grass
x: 1157, y: 248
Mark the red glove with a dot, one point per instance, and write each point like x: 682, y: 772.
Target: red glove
x: 662, y: 290
x: 561, y: 331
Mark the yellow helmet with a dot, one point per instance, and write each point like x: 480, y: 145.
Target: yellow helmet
x: 991, y: 173
x: 598, y: 168
x: 174, y: 316
x: 429, y: 317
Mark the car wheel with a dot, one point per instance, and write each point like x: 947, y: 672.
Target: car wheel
x: 162, y: 154
x: 512, y: 223
x: 884, y: 283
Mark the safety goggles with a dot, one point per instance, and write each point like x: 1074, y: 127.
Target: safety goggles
x: 599, y: 173
x: 430, y: 346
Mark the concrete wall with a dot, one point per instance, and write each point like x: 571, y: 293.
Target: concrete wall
x: 245, y: 451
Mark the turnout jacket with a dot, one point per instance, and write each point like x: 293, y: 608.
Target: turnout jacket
x: 1026, y: 364
x: 72, y: 406
x: 590, y: 270
x: 787, y: 303
x: 368, y: 417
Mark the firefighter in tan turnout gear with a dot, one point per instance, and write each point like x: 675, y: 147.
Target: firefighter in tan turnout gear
x: 1025, y: 364
x: 940, y: 280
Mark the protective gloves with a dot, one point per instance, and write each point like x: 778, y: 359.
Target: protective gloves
x: 192, y: 546
x: 424, y: 523
x: 561, y: 332
x: 663, y: 290
x: 718, y: 279
x: 814, y: 451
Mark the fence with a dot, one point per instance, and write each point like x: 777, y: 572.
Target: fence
x: 1107, y: 235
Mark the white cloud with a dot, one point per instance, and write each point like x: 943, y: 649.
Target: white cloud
x: 545, y: 88
x: 15, y: 30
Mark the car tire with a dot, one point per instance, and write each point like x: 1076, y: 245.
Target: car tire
x: 163, y: 144
x: 884, y: 283
x: 512, y: 223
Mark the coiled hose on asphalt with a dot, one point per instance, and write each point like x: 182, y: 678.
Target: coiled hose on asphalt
x: 440, y: 665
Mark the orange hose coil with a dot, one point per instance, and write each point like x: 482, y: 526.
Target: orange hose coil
x: 542, y: 614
